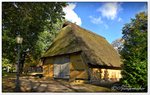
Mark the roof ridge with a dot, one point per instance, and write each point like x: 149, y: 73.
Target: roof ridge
x: 73, y: 24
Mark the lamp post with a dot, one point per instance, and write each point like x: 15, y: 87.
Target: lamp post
x: 19, y: 40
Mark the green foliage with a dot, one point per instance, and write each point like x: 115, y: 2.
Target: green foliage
x: 134, y: 52
x: 6, y: 64
x: 29, y: 20
x: 46, y: 37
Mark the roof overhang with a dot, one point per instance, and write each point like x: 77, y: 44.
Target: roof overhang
x: 104, y: 67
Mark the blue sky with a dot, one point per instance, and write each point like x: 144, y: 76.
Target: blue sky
x: 104, y: 18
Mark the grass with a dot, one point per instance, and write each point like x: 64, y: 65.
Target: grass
x: 8, y: 75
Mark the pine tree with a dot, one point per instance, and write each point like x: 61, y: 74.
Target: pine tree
x: 134, y: 53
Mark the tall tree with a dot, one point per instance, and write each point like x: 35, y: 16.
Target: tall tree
x: 28, y: 20
x: 134, y: 52
x: 118, y: 44
x: 45, y: 39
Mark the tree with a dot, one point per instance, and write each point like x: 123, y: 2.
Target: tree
x: 134, y: 52
x: 29, y: 20
x: 45, y: 39
x: 118, y: 44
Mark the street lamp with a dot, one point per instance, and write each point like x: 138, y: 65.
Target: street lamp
x: 19, y: 40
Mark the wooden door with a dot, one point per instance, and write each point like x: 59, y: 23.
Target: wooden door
x: 61, y: 67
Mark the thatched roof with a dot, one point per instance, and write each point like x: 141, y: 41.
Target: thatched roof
x: 95, y: 49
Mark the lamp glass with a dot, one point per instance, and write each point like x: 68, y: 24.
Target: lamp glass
x: 19, y: 39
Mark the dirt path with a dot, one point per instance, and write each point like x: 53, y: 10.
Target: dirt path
x: 32, y: 84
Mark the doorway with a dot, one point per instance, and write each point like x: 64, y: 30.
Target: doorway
x: 61, y: 67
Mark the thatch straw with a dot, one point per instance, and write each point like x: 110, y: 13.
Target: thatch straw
x: 95, y: 48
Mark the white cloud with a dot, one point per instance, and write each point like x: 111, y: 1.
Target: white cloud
x: 106, y: 26
x: 71, y: 15
x: 119, y: 19
x: 96, y: 20
x: 110, y: 10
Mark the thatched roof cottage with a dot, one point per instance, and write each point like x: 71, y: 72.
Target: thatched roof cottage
x: 79, y: 54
